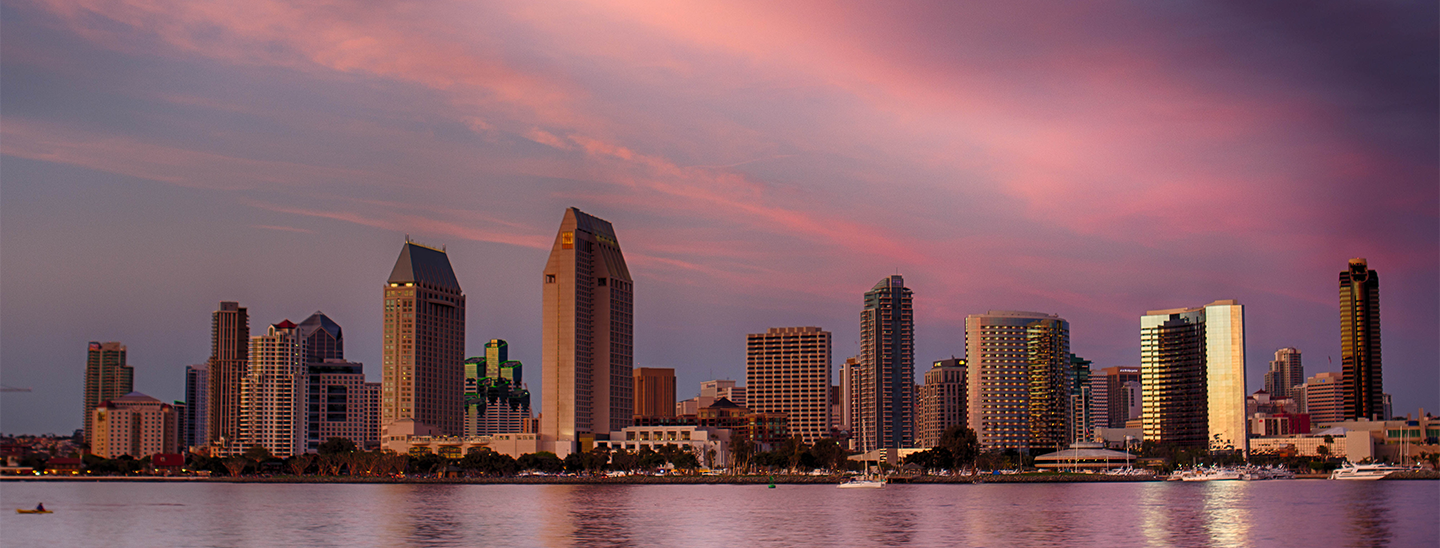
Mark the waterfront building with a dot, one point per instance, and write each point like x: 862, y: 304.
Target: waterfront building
x: 228, y: 364
x: 338, y: 405
x: 883, y: 384
x: 654, y: 392
x: 1192, y: 369
x: 423, y: 358
x: 787, y: 370
x: 107, y: 376
x: 1014, y: 358
x: 134, y: 424
x: 588, y: 324
x: 497, y: 400
x: 1360, y: 341
x: 1286, y: 375
x: 409, y: 437
x: 711, y: 446
x: 1323, y: 398
x: 324, y: 340
x: 942, y: 401
x: 273, y: 394
x: 1085, y: 456
x: 197, y: 406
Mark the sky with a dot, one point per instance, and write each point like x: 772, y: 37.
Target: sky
x: 763, y: 163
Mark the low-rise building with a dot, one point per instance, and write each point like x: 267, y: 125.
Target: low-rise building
x: 135, y: 425
x: 711, y: 446
x: 405, y: 436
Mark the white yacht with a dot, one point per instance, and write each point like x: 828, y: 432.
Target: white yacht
x: 862, y: 482
x: 1365, y: 471
x: 1212, y: 474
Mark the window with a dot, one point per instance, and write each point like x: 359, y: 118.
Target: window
x: 549, y: 278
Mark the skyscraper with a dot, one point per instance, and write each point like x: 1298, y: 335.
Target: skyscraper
x: 423, y: 360
x: 587, y: 350
x: 1360, y: 341
x: 107, y: 376
x: 197, y: 406
x: 787, y: 370
x: 654, y: 392
x: 883, y: 386
x: 229, y: 359
x: 847, y: 390
x: 1052, y: 380
x: 273, y: 393
x: 1286, y: 375
x: 942, y: 401
x: 1018, y: 373
x: 1192, y: 368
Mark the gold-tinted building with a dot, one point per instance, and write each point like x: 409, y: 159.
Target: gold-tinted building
x: 1192, y: 370
x: 423, y: 358
x: 587, y: 350
x: 1360, y: 342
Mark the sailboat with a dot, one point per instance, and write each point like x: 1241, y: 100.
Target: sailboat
x: 866, y: 481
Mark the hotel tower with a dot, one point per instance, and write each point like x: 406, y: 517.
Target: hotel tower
x: 587, y: 353
x: 423, y: 360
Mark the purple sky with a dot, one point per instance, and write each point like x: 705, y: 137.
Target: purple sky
x: 763, y: 166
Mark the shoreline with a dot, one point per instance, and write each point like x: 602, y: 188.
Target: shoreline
x: 650, y: 480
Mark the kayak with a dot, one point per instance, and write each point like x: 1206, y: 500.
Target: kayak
x: 24, y: 511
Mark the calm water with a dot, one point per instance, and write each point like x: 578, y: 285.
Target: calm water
x: 1273, y: 513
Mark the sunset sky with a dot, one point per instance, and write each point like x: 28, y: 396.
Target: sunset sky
x: 763, y: 164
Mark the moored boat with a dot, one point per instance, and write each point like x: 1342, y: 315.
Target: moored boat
x: 1365, y: 472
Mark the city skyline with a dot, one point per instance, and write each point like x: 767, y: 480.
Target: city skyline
x: 763, y: 174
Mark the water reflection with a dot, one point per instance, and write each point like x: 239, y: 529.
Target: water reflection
x: 1368, y: 512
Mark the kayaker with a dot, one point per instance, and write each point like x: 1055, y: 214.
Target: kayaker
x: 40, y: 507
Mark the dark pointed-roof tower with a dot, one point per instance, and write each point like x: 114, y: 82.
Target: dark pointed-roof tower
x: 423, y: 364
x: 324, y: 340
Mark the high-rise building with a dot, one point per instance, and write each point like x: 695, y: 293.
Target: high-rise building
x: 1360, y: 341
x: 337, y: 403
x: 1099, y: 400
x: 197, y: 406
x: 370, y: 394
x: 497, y: 400
x: 273, y: 393
x: 423, y: 359
x: 942, y: 401
x: 324, y: 340
x: 787, y: 370
x: 1286, y: 375
x: 134, y: 424
x: 847, y: 390
x: 1323, y: 398
x: 229, y: 361
x: 1118, y: 409
x: 1192, y: 369
x: 1013, y: 358
x: 107, y: 376
x: 1051, y: 382
x: 1080, y: 422
x: 587, y: 350
x: 883, y: 391
x: 655, y: 392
